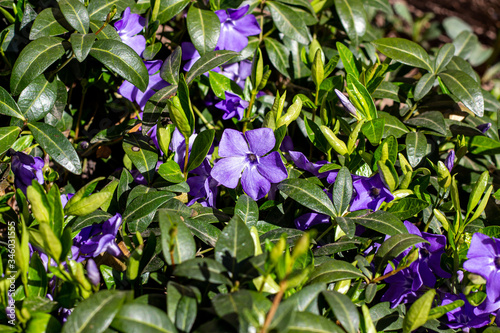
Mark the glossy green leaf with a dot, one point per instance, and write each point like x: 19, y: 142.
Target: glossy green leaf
x: 208, y: 62
x: 465, y: 43
x: 200, y: 148
x: 246, y: 208
x: 8, y: 105
x: 344, y: 310
x: 234, y: 244
x: 392, y: 247
x: 88, y: 204
x: 38, y: 98
x: 278, y: 55
x: 181, y: 305
x: 35, y: 58
x: 460, y: 64
x: 407, y: 207
x: 141, y: 153
x: 289, y: 22
x: 95, y: 313
x: 381, y: 221
x: 37, y: 277
x: 361, y: 98
x: 374, y: 130
x: 203, y: 269
x: 99, y: 9
x: 49, y: 22
x: 465, y: 89
x: 348, y: 60
x: 170, y: 8
x: 424, y: 85
x: 308, y: 195
x: 40, y: 322
x: 388, y: 90
x: 176, y: 239
x: 8, y: 136
x: 353, y: 17
x: 342, y: 191
x: 316, y: 135
x: 134, y: 317
x: 123, y: 60
x: 404, y: 51
x: 433, y: 120
x: 344, y: 243
x: 57, y: 146
x: 84, y: 221
x: 419, y: 311
x: 309, y: 322
x: 170, y: 171
x: 478, y: 191
x: 221, y: 83
x: 203, y: 28
x: 483, y: 145
x: 107, y: 33
x: 333, y: 271
x: 140, y: 212
x: 416, y: 147
x: 203, y: 230
x: 155, y: 106
x: 170, y: 69
x: 76, y: 14
x: 443, y: 57
x: 81, y: 45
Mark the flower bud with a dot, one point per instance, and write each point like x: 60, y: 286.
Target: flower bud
x: 338, y: 145
x: 346, y: 103
x: 292, y: 113
x: 450, y: 160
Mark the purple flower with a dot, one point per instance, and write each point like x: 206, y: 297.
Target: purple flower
x: 300, y: 160
x: 133, y: 94
x: 484, y: 260
x: 405, y: 286
x: 203, y: 187
x: 309, y: 220
x: 65, y: 198
x: 244, y: 153
x: 26, y: 168
x: 346, y: 103
x: 235, y: 27
x: 98, y: 238
x: 238, y: 72
x: 189, y: 53
x: 233, y: 106
x: 370, y: 193
x: 464, y: 316
x: 178, y: 146
x: 450, y: 160
x: 93, y: 272
x: 128, y: 27
x: 484, y: 127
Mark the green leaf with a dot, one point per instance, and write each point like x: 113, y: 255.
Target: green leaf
x: 155, y: 106
x: 151, y: 51
x: 246, y: 208
x: 343, y: 309
x: 465, y: 89
x: 418, y: 312
x: 98, y: 9
x: 141, y: 153
x: 361, y: 98
x: 483, y: 145
x: 208, y: 62
x: 234, y: 244
x: 203, y: 28
x: 38, y: 98
x: 278, y: 55
x: 35, y: 58
x: 342, y: 191
x: 95, y: 313
x: 392, y: 247
x: 176, y: 240
x: 465, y: 43
x: 289, y: 22
x: 416, y: 147
x: 140, y: 212
x: 49, y: 22
x: 220, y: 84
x: 203, y: 269
x: 333, y: 271
x: 81, y: 45
x: 179, y: 311
x: 205, y: 231
x: 8, y: 136
x: 350, y: 63
x: 344, y: 243
x: 443, y: 57
x: 170, y: 171
x: 353, y: 17
x: 37, y: 277
x: 88, y: 204
x: 122, y: 59
x: 374, y: 130
x: 134, y: 317
x: 381, y: 221
x: 388, y: 90
x: 57, y: 146
x: 478, y: 191
x: 170, y: 8
x: 438, y: 311
x: 309, y: 322
x: 407, y: 207
x: 432, y: 120
x: 8, y: 106
x: 76, y: 14
x: 308, y: 194
x: 170, y: 69
x: 404, y: 51
x: 424, y: 85
x: 84, y: 221
x: 40, y: 322
x: 201, y: 146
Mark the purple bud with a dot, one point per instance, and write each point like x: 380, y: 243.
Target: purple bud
x: 450, y: 160
x: 484, y: 127
x: 346, y: 103
x: 93, y: 272
x: 26, y: 168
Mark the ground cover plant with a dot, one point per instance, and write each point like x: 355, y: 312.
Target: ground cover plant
x: 245, y: 166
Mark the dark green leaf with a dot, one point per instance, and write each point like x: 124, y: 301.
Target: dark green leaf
x: 393, y: 126
x: 348, y: 60
x: 203, y: 269
x: 57, y: 146
x: 353, y: 17
x: 374, y: 130
x: 392, y: 247
x: 404, y: 51
x: 343, y: 244
x: 155, y: 106
x: 203, y: 28
x: 443, y: 57
x: 208, y: 62
x: 416, y: 147
x: 308, y: 322
x: 246, y: 208
x: 234, y: 244
x: 170, y: 8
x: 221, y: 83
x: 170, y: 69
x: 203, y: 230
x: 8, y: 106
x: 76, y: 14
x: 176, y: 240
x: 307, y: 298
x: 35, y: 58
x: 81, y: 45
x: 289, y: 22
x: 123, y: 60
x: 49, y: 22
x: 407, y: 207
x: 334, y: 270
x: 141, y: 153
x: 38, y: 98
x: 424, y: 85
x: 381, y: 221
x: 201, y: 146
x: 388, y: 90
x: 308, y: 194
x: 432, y: 120
x: 342, y: 192
x: 460, y: 64
x: 278, y: 55
x: 8, y: 136
x: 343, y: 309
x: 84, y: 221
x: 99, y: 9
x: 465, y: 89
x: 134, y: 317
x: 292, y: 235
x: 139, y: 214
x: 465, y: 43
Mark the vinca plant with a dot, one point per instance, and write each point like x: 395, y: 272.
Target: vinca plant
x: 244, y: 166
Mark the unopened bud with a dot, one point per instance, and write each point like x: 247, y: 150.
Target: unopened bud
x: 346, y: 103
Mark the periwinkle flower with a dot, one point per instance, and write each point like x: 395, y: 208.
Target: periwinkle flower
x: 202, y: 187
x: 133, y: 94
x: 93, y: 272
x: 235, y: 27
x: 238, y: 72
x: 98, y: 238
x: 370, y: 193
x: 128, y: 28
x: 464, y: 316
x: 406, y: 286
x: 484, y: 127
x: 484, y: 260
x: 233, y: 106
x: 26, y: 168
x: 450, y: 160
x: 346, y: 103
x: 243, y: 157
x: 300, y: 160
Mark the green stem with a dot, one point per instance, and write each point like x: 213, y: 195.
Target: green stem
x: 186, y: 157
x: 325, y: 232
x: 80, y: 110
x: 439, y: 200
x: 54, y: 72
x: 410, y: 113
x: 391, y: 273
x: 203, y: 119
x: 274, y: 307
x: 248, y: 112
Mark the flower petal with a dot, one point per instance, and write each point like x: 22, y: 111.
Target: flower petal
x: 233, y: 143
x: 260, y: 140
x: 227, y: 171
x: 248, y: 26
x: 254, y: 184
x: 272, y: 167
